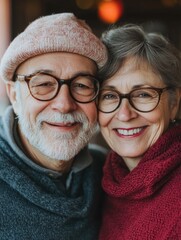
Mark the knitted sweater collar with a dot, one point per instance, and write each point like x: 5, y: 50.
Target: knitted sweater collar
x: 150, y: 174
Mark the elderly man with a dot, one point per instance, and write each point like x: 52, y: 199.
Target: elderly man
x: 49, y: 180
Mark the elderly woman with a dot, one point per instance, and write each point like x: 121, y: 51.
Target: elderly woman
x: 139, y: 118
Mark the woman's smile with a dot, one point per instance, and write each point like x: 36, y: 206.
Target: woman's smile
x: 131, y: 132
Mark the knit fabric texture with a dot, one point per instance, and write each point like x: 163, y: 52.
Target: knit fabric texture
x: 144, y: 204
x: 54, y: 33
x: 36, y: 206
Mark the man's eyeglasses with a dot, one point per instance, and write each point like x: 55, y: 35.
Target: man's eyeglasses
x: 43, y: 86
x: 142, y: 99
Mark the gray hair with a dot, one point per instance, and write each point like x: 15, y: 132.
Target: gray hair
x: 131, y: 41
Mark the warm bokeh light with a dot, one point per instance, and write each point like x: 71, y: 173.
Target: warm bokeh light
x: 85, y: 4
x: 110, y: 11
x: 169, y: 3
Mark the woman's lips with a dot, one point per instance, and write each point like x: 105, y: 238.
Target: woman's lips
x: 131, y: 132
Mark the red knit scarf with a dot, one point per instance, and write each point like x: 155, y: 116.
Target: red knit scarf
x: 132, y: 196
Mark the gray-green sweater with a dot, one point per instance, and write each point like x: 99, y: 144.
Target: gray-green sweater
x: 36, y: 203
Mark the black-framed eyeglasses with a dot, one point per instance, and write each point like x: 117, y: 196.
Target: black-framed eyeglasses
x: 43, y: 86
x: 141, y: 99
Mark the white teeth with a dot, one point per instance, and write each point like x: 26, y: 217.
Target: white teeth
x: 129, y: 132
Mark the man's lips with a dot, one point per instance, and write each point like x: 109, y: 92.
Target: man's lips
x: 62, y: 124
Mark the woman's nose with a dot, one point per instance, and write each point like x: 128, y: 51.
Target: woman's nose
x: 125, y: 111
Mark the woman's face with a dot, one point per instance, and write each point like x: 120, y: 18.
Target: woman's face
x: 127, y: 131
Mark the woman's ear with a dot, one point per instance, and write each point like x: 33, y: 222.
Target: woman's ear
x: 12, y: 94
x: 176, y: 105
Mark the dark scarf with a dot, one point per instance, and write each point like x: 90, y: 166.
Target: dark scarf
x: 142, y: 204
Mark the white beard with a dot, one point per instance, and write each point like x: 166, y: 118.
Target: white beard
x: 54, y: 144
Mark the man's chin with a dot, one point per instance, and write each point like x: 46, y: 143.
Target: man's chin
x: 64, y: 153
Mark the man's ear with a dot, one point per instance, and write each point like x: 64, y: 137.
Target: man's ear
x: 12, y: 94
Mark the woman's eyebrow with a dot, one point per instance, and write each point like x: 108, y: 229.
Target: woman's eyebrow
x: 133, y: 87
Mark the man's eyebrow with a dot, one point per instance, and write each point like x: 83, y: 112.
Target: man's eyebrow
x: 43, y: 71
x: 35, y: 72
x: 84, y: 73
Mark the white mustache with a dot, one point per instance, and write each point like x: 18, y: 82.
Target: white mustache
x: 59, y: 117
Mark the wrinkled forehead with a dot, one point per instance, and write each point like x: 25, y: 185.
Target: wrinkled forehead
x: 58, y: 63
x: 134, y: 68
x: 137, y: 63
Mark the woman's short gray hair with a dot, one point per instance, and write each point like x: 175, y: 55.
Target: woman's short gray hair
x: 131, y: 41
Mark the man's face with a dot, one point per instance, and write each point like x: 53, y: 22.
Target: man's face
x: 61, y: 127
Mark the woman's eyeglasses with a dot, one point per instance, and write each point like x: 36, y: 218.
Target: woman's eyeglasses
x: 142, y: 99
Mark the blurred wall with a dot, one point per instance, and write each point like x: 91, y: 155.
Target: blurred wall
x: 5, y: 33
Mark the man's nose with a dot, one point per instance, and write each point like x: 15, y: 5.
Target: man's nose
x: 63, y: 102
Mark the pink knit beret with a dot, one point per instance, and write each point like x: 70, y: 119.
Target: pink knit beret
x: 54, y: 33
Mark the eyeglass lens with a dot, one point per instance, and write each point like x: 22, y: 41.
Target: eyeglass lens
x: 45, y: 87
x: 143, y: 100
